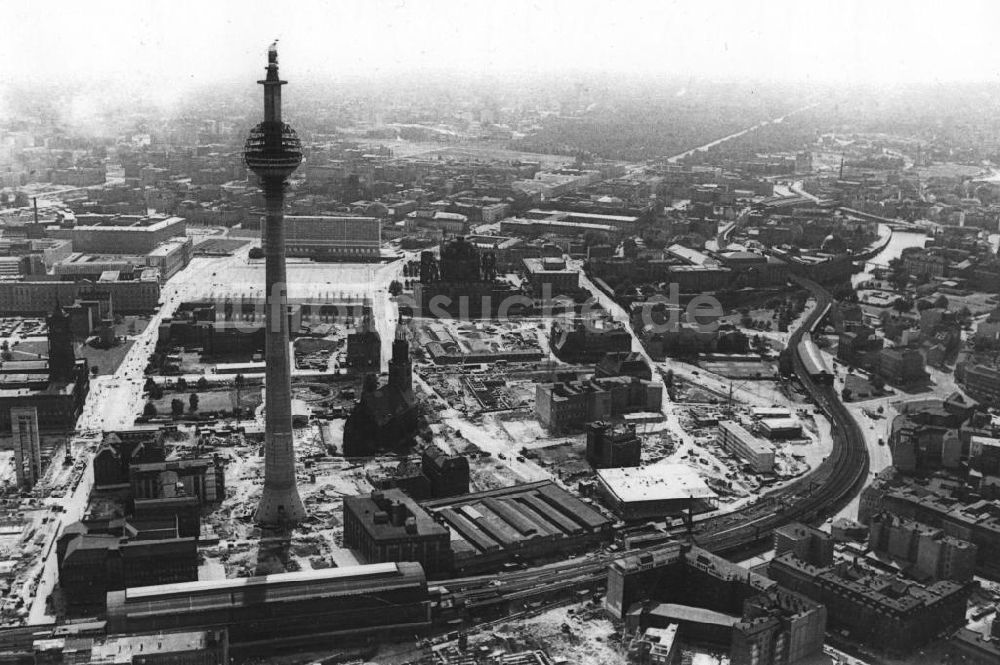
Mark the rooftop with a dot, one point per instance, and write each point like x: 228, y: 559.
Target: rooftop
x: 659, y: 482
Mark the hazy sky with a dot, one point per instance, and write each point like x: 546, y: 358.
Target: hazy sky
x: 181, y: 41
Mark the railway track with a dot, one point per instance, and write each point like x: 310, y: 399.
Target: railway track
x: 822, y: 492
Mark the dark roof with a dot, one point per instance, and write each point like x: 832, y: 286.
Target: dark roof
x: 366, y: 507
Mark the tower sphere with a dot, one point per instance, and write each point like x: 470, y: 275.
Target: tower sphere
x: 272, y: 150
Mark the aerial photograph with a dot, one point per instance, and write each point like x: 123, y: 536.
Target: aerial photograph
x: 525, y: 332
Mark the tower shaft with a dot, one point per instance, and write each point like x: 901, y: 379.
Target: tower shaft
x: 280, y: 500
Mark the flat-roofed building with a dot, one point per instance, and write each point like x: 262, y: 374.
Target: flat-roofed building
x: 551, y: 277
x: 537, y: 227
x: 121, y: 234
x: 658, y: 490
x: 26, y: 298
x: 388, y: 525
x: 738, y: 441
x: 333, y: 238
x: 780, y: 428
x: 569, y: 406
x: 981, y: 382
x: 206, y: 647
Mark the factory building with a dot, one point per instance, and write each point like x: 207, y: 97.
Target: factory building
x: 315, y: 607
x: 489, y: 529
x: 735, y: 439
x: 389, y: 526
x: 641, y: 493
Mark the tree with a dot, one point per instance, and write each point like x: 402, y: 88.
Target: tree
x: 395, y: 288
x: 202, y: 384
x: 902, y: 305
x: 240, y: 382
x: 941, y: 302
x: 95, y: 370
x: 256, y: 253
x: 845, y: 395
x: 193, y: 401
x: 176, y: 407
x: 877, y: 382
x: 150, y: 410
x: 182, y: 384
x: 149, y: 385
x: 668, y: 378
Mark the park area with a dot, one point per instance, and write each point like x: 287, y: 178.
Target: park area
x: 210, y: 403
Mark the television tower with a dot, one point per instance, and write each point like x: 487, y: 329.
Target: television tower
x: 273, y: 152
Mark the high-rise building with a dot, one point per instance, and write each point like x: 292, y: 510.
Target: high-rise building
x: 27, y: 445
x: 62, y: 360
x: 273, y: 152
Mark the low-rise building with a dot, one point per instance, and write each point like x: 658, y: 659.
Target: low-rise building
x: 642, y: 493
x: 519, y: 522
x: 738, y: 441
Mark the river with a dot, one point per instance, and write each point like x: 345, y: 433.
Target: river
x: 900, y: 240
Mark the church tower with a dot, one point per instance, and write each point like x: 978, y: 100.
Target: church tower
x: 400, y: 368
